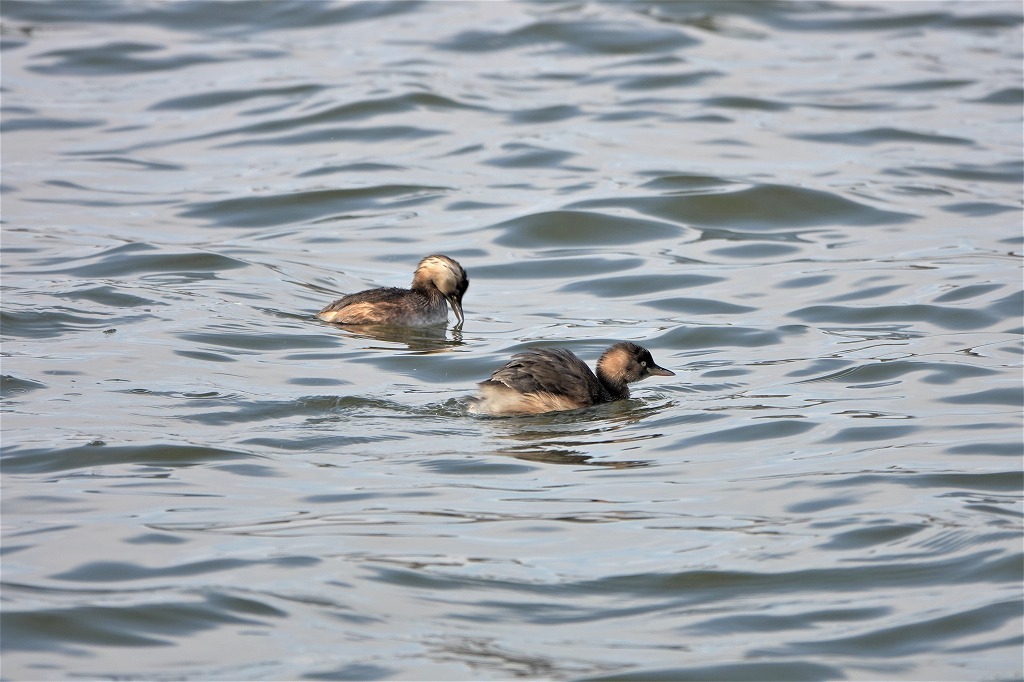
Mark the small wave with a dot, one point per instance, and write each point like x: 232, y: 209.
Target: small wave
x: 576, y: 36
x: 567, y: 228
x: 292, y: 207
x: 882, y: 135
x: 27, y: 460
x: 219, y: 98
x: 759, y: 208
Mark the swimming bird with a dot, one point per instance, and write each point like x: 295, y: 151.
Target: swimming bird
x: 549, y: 379
x: 437, y: 279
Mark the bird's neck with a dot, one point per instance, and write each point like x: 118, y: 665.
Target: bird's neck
x: 616, y: 388
x: 428, y: 289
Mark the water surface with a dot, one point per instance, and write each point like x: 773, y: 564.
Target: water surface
x: 810, y: 212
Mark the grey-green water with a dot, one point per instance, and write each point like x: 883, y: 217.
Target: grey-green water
x: 811, y: 212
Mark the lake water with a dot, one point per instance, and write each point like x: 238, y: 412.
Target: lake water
x: 811, y: 212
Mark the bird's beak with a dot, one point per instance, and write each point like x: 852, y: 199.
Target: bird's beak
x: 656, y: 371
x: 457, y: 309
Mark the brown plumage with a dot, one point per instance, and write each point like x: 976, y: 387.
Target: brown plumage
x: 550, y: 379
x: 437, y: 282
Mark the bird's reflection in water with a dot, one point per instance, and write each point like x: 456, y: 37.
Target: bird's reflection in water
x: 570, y: 437
x: 422, y: 339
x: 573, y: 457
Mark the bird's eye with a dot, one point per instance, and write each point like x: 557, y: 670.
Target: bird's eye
x: 643, y: 363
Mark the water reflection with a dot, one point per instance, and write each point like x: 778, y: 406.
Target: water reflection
x: 421, y: 339
x: 576, y: 436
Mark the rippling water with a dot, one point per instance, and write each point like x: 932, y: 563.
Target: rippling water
x: 811, y: 212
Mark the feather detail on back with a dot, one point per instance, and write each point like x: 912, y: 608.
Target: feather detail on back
x: 385, y: 306
x: 552, y: 378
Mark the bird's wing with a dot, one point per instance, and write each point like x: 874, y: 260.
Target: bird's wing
x: 550, y: 370
x: 369, y: 296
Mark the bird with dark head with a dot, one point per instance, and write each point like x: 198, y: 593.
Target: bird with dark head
x: 549, y: 379
x: 437, y: 282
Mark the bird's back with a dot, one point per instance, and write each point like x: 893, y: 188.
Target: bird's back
x: 552, y: 371
x: 381, y: 294
x: 386, y: 305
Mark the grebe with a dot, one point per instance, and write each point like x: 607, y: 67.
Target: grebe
x: 437, y: 279
x: 549, y: 379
